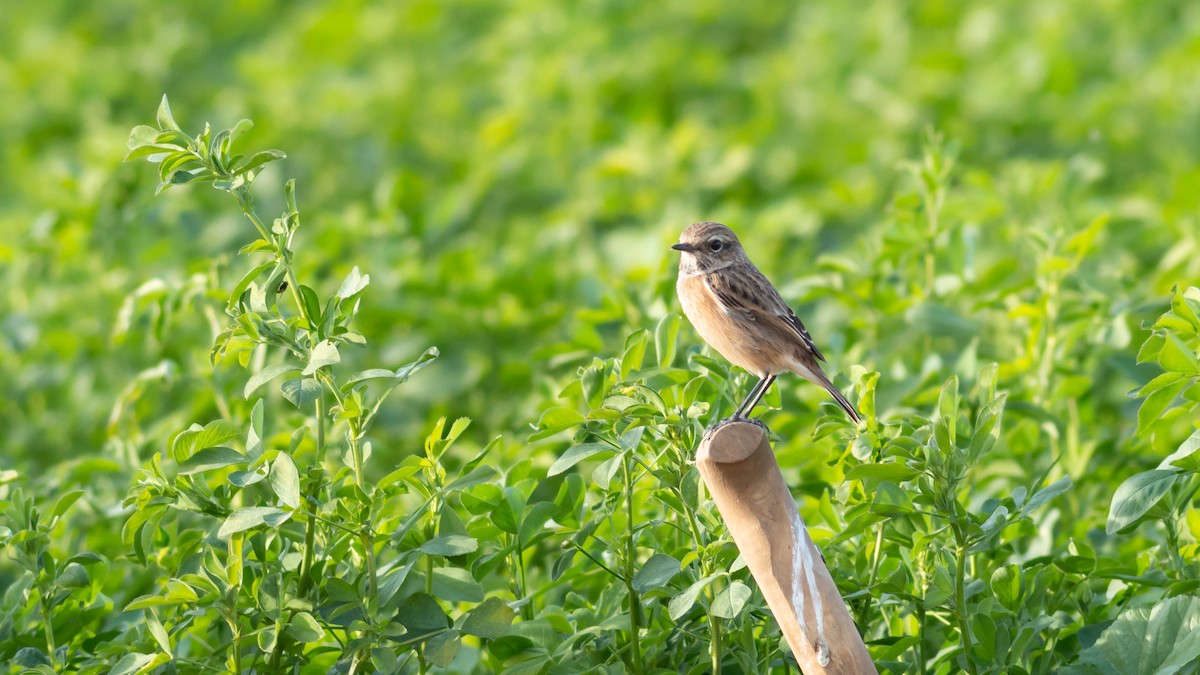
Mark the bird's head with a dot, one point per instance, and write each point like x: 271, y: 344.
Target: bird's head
x: 708, y: 246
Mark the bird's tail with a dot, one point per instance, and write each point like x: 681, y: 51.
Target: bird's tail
x: 842, y: 401
x: 815, y: 374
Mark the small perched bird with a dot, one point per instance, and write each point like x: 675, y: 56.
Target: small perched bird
x: 740, y: 314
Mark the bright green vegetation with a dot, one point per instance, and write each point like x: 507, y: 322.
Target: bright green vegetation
x: 418, y: 397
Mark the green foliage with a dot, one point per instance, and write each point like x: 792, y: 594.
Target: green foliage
x: 284, y: 562
x: 214, y: 461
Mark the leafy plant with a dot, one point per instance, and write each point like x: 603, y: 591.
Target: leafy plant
x: 291, y: 556
x: 511, y: 179
x: 1166, y: 493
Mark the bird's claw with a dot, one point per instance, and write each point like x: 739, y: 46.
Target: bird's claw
x: 738, y: 418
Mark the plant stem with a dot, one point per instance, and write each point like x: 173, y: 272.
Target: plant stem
x: 356, y: 456
x: 960, y: 602
x: 246, y: 201
x: 714, y: 644
x: 714, y: 624
x: 423, y: 666
x: 368, y: 542
x: 47, y: 626
x: 921, y: 655
x: 635, y: 603
x: 865, y: 607
x: 314, y: 492
x: 1173, y: 543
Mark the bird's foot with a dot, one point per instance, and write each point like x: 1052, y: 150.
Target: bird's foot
x: 738, y: 418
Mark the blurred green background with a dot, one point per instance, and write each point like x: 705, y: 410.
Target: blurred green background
x: 511, y: 174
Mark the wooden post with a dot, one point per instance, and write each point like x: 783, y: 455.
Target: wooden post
x: 744, y: 479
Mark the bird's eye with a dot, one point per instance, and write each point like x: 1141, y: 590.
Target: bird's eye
x: 715, y: 245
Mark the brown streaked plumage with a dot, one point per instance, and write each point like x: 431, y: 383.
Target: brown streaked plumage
x: 740, y: 314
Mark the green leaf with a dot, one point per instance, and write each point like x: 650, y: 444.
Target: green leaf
x: 185, y: 177
x: 889, y: 471
x: 312, y: 305
x: 476, y: 476
x: 267, y: 639
x: 385, y: 661
x: 555, y: 420
x: 304, y: 628
x: 603, y: 474
x: 631, y: 439
x: 254, y: 443
x: 682, y: 603
x: 656, y: 572
x: 249, y: 517
x: 144, y: 601
x: 987, y: 427
x: 179, y: 592
x: 152, y: 152
x: 664, y: 339
x: 635, y: 351
x: 534, y: 521
x: 259, y: 159
x: 407, y: 370
x: 132, y: 663
x: 1006, y: 585
x: 575, y: 455
x: 73, y: 575
x: 211, y: 458
x: 422, y: 615
x: 302, y: 392
x: 1156, y: 403
x: 401, y: 374
x: 266, y: 375
x: 32, y: 658
x: 730, y: 601
x: 1184, y: 452
x: 65, y: 502
x: 1158, y: 640
x: 367, y: 375
x: 1185, y: 308
x: 157, y: 631
x: 443, y: 647
x: 1150, y: 349
x: 142, y: 135
x: 354, y: 283
x: 508, y: 515
x: 285, y: 480
x: 198, y: 438
x: 890, y: 500
x: 947, y: 408
x: 1177, y: 357
x: 454, y: 584
x: 996, y: 521
x: 592, y: 381
x: 1047, y: 493
x: 450, y: 544
x: 1137, y: 495
x: 165, y: 119
x: 489, y: 620
x: 235, y: 295
x: 391, y: 577
x: 324, y: 354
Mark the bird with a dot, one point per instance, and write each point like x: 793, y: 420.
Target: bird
x: 738, y: 312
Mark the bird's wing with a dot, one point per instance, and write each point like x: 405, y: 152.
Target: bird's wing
x: 749, y: 295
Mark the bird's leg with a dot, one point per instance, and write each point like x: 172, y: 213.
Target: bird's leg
x: 755, y: 396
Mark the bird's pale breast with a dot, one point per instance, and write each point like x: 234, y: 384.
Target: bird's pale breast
x: 739, y: 340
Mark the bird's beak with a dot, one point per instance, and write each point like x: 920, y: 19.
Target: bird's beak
x: 686, y: 248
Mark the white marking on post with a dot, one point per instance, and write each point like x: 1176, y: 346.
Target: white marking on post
x: 804, y: 579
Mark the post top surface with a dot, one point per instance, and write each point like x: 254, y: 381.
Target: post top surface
x: 732, y: 441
